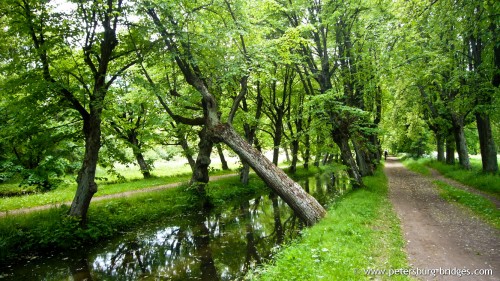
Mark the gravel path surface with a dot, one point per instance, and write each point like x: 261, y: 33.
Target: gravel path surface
x: 105, y: 197
x: 440, y: 235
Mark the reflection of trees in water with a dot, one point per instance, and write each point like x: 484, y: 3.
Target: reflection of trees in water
x: 80, y: 269
x: 221, y: 244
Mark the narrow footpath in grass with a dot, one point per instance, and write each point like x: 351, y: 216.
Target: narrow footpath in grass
x: 105, y: 197
x: 443, y: 241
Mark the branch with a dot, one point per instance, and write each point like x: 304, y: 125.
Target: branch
x: 237, y: 100
x: 119, y: 72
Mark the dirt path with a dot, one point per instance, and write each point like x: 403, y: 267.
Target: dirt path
x: 105, y: 197
x: 440, y: 235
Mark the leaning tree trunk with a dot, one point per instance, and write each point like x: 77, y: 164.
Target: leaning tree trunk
x: 461, y: 144
x: 487, y: 144
x: 86, y: 185
x: 304, y: 205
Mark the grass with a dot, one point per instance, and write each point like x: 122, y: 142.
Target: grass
x: 66, y: 192
x: 52, y: 230
x: 489, y: 183
x: 475, y: 177
x: 479, y: 205
x: 417, y: 165
x: 361, y: 232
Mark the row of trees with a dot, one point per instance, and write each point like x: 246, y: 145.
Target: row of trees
x: 449, y: 79
x: 80, y: 77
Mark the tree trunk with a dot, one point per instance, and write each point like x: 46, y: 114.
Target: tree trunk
x: 145, y: 169
x: 487, y: 144
x: 245, y: 173
x: 361, y: 159
x: 136, y: 149
x: 347, y: 159
x: 461, y: 144
x: 187, y: 152
x: 200, y: 174
x: 287, y: 155
x: 304, y: 205
x: 295, y: 156
x: 440, y: 147
x: 222, y: 158
x: 86, y: 185
x: 450, y: 150
x: 307, y: 154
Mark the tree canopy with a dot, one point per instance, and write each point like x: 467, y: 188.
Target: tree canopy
x: 84, y: 81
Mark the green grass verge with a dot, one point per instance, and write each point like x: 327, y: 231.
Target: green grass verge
x: 360, y: 232
x: 53, y: 230
x: 475, y: 177
x: 417, y: 165
x: 67, y: 192
x: 479, y: 205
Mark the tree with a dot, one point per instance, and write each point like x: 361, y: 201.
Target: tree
x: 75, y: 77
x: 183, y: 53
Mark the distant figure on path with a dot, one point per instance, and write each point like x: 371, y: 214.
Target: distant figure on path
x: 385, y: 154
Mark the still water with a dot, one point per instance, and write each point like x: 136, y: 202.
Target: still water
x: 220, y: 244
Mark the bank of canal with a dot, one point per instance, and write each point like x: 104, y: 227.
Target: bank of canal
x: 222, y: 243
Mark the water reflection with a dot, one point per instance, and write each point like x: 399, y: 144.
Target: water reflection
x: 217, y: 244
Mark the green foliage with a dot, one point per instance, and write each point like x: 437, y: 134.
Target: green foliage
x: 477, y: 203
x: 358, y: 233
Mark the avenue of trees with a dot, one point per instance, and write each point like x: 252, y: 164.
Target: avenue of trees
x: 87, y: 83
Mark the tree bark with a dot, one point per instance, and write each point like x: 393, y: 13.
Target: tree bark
x: 136, y: 150
x: 440, y: 147
x: 362, y: 160
x: 487, y: 144
x: 461, y: 144
x: 295, y: 156
x: 200, y: 174
x: 347, y: 159
x: 304, y: 205
x: 307, y: 154
x: 86, y: 185
x: 222, y: 158
x: 145, y: 169
x: 187, y: 152
x: 450, y: 150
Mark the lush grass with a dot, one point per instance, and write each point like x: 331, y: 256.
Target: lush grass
x: 53, y: 230
x: 417, y: 165
x: 360, y: 232
x: 481, y: 206
x: 474, y: 177
x: 66, y: 192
